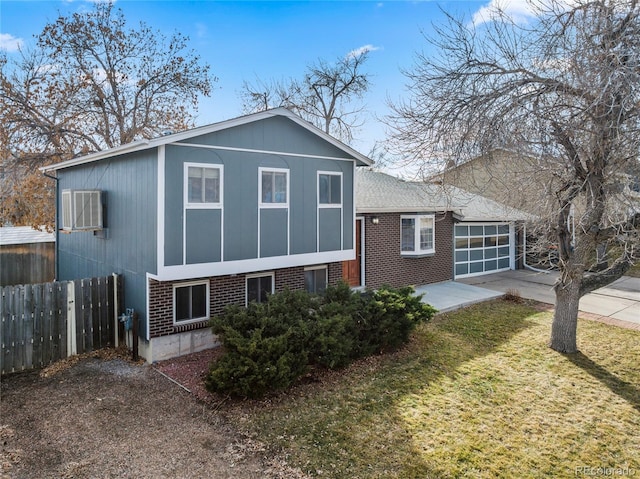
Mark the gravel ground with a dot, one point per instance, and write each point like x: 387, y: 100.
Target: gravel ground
x: 106, y: 417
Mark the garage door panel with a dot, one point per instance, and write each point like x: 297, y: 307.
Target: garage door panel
x: 462, y: 243
x: 482, y: 248
x: 476, y: 242
x: 490, y: 253
x: 462, y: 269
x: 491, y: 265
x: 490, y: 241
x: 475, y: 255
x: 476, y: 267
x: 462, y: 256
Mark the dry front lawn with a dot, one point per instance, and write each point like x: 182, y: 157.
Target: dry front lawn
x: 476, y: 394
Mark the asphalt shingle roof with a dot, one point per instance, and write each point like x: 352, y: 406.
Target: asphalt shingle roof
x: 378, y: 192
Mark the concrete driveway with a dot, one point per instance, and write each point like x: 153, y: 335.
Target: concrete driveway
x: 620, y: 300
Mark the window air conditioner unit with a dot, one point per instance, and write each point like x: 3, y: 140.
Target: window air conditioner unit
x: 81, y: 210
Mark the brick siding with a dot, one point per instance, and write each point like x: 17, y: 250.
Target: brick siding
x: 385, y: 265
x: 223, y: 290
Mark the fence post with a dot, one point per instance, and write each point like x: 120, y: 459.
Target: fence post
x: 115, y: 310
x: 72, y: 345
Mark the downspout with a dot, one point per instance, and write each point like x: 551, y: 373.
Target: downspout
x: 57, y: 230
x: 524, y: 254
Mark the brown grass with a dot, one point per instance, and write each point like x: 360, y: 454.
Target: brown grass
x: 476, y: 394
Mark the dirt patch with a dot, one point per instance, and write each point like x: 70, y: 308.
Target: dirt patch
x: 102, y: 418
x: 189, y: 372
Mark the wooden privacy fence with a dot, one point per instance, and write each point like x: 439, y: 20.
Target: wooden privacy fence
x: 42, y: 323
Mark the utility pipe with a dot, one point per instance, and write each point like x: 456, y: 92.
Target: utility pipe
x: 56, y: 259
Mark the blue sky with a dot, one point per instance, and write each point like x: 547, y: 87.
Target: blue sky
x: 244, y: 40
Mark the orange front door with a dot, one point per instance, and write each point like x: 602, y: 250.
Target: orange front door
x: 351, y: 269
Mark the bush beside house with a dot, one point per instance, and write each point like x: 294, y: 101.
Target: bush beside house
x: 268, y: 346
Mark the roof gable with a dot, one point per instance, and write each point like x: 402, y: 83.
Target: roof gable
x: 191, y: 136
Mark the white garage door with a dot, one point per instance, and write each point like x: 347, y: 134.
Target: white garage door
x: 483, y: 248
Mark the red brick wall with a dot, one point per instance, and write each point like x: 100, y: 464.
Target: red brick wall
x: 223, y: 290
x: 385, y: 265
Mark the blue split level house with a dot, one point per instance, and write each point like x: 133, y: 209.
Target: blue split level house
x: 196, y: 220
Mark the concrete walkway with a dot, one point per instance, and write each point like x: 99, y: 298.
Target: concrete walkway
x: 453, y: 295
x: 619, y: 301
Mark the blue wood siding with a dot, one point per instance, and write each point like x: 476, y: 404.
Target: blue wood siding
x: 203, y: 236
x: 128, y: 244
x: 249, y: 231
x: 329, y: 234
x: 273, y: 232
x: 277, y: 134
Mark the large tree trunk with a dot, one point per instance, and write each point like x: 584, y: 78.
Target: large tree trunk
x: 565, y: 318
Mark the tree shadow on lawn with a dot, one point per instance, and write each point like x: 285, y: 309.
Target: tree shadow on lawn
x: 455, y: 338
x: 440, y: 351
x: 619, y: 387
x: 349, y: 425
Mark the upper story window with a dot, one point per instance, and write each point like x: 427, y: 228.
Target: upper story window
x: 330, y: 189
x: 274, y: 187
x: 81, y: 210
x: 204, y: 185
x: 417, y: 234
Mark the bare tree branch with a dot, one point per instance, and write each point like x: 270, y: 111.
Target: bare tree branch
x: 562, y: 94
x: 323, y: 97
x: 92, y: 83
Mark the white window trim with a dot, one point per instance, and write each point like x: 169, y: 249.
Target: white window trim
x: 272, y: 170
x: 187, y: 204
x: 317, y: 266
x: 329, y: 205
x: 208, y: 300
x: 416, y: 237
x: 258, y: 275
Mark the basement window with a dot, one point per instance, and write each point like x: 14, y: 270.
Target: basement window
x: 190, y: 302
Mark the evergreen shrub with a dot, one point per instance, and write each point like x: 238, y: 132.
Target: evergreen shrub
x: 268, y: 346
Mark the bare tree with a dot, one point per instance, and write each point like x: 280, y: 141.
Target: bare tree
x: 563, y: 92
x: 92, y: 83
x: 324, y: 96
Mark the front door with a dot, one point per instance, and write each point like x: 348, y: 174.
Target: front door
x: 351, y: 269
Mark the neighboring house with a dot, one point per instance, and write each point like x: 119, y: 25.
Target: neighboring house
x: 27, y: 256
x: 212, y: 216
x: 410, y: 233
x: 505, y: 176
x: 494, y: 174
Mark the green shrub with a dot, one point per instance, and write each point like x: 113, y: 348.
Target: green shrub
x: 387, y: 319
x: 268, y: 346
x: 332, y: 340
x: 333, y: 325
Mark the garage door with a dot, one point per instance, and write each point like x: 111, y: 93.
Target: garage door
x: 482, y: 248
